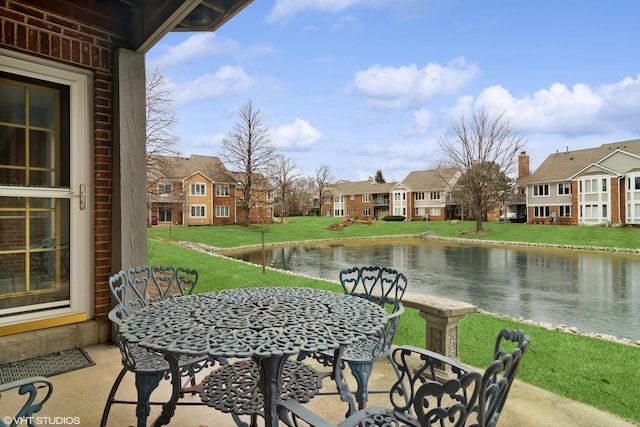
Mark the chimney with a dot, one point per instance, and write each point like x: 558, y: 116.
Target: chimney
x: 523, y: 164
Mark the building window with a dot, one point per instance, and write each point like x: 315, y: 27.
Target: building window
x: 366, y: 212
x: 366, y: 197
x: 399, y: 196
x: 198, y: 211
x: 165, y: 214
x: 605, y: 213
x: 637, y: 183
x: 564, y: 211
x: 420, y: 211
x: 419, y: 195
x: 541, y: 211
x: 222, y: 211
x: 222, y: 190
x: 352, y: 197
x: 604, y: 185
x: 269, y: 195
x: 590, y: 185
x: 435, y: 195
x: 164, y: 188
x: 197, y: 189
x: 436, y: 211
x: 564, y: 188
x: 541, y: 190
x: 338, y: 212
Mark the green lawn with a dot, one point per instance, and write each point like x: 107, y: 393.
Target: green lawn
x: 599, y: 373
x: 310, y: 228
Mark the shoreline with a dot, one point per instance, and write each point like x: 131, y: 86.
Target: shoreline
x: 217, y: 251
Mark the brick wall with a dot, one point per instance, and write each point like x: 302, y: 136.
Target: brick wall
x: 81, y: 43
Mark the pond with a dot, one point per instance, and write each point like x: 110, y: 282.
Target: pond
x: 596, y: 292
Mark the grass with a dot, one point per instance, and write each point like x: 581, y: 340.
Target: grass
x: 311, y: 228
x: 599, y: 373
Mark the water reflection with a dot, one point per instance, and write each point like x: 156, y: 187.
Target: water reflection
x: 595, y: 292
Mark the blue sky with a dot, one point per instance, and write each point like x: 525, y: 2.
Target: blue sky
x: 362, y: 85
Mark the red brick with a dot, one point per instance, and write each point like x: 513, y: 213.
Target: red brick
x: 9, y: 33
x: 65, y: 49
x: 21, y: 37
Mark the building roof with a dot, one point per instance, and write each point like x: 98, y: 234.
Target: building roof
x: 433, y: 179
x: 178, y: 168
x: 361, y: 187
x: 562, y: 166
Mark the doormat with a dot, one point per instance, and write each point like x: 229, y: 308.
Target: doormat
x: 46, y: 366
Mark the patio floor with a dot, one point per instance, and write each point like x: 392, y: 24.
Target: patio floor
x: 82, y: 393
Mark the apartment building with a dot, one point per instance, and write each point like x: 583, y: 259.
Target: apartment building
x: 426, y: 195
x: 200, y: 190
x: 595, y: 186
x: 357, y: 199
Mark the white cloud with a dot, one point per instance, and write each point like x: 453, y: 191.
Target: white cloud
x: 297, y: 135
x: 226, y: 81
x: 401, y: 87
x: 569, y: 111
x: 196, y: 46
x: 422, y: 122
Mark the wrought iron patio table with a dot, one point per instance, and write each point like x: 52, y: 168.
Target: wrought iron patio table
x: 265, y: 324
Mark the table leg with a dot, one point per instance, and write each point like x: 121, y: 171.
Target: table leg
x: 341, y: 384
x: 270, y: 383
x: 145, y: 384
x: 169, y: 408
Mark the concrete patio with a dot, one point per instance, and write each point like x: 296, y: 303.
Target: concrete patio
x: 82, y: 394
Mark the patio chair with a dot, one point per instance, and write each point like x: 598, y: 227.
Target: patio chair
x: 419, y: 398
x: 386, y: 287
x: 31, y: 387
x: 134, y: 289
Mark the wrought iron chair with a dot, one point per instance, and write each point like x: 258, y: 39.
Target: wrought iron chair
x: 32, y: 387
x: 134, y: 289
x: 386, y: 287
x: 419, y: 398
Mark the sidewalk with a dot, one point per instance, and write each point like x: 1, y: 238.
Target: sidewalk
x: 82, y: 394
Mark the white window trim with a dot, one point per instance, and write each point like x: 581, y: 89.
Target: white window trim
x: 220, y: 208
x: 81, y: 148
x: 198, y: 184
x: 204, y: 209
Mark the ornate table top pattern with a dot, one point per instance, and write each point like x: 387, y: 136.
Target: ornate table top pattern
x: 254, y: 322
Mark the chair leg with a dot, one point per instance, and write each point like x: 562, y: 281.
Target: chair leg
x: 145, y: 384
x: 110, y: 399
x: 361, y: 372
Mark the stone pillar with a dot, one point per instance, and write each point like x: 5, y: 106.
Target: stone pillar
x: 442, y: 317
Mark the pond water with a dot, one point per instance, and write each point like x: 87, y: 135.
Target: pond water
x: 592, y: 291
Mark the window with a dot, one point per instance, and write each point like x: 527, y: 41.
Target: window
x: 541, y: 190
x: 564, y: 211
x: 366, y: 197
x: 435, y: 195
x: 541, y: 211
x: 222, y: 190
x: 564, y: 188
x: 269, y: 196
x: 164, y: 188
x: 419, y: 196
x: 197, y: 189
x: 198, y: 211
x: 420, y: 211
x: 44, y: 197
x: 604, y: 185
x: 436, y: 211
x: 637, y: 183
x: 338, y: 212
x: 165, y: 214
x: 366, y: 212
x: 605, y: 213
x: 590, y: 185
x: 222, y: 211
x: 399, y: 196
x: 352, y: 197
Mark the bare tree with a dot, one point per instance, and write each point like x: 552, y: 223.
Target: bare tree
x: 322, y: 179
x: 249, y: 151
x: 484, y: 148
x: 283, y: 175
x: 161, y: 121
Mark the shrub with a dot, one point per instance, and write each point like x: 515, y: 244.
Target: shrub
x: 393, y: 218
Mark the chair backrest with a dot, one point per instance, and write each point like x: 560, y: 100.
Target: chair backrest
x: 434, y: 403
x: 498, y: 378
x: 140, y: 286
x: 382, y: 285
x: 38, y: 391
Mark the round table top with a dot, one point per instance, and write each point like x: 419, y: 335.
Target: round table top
x: 260, y: 322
